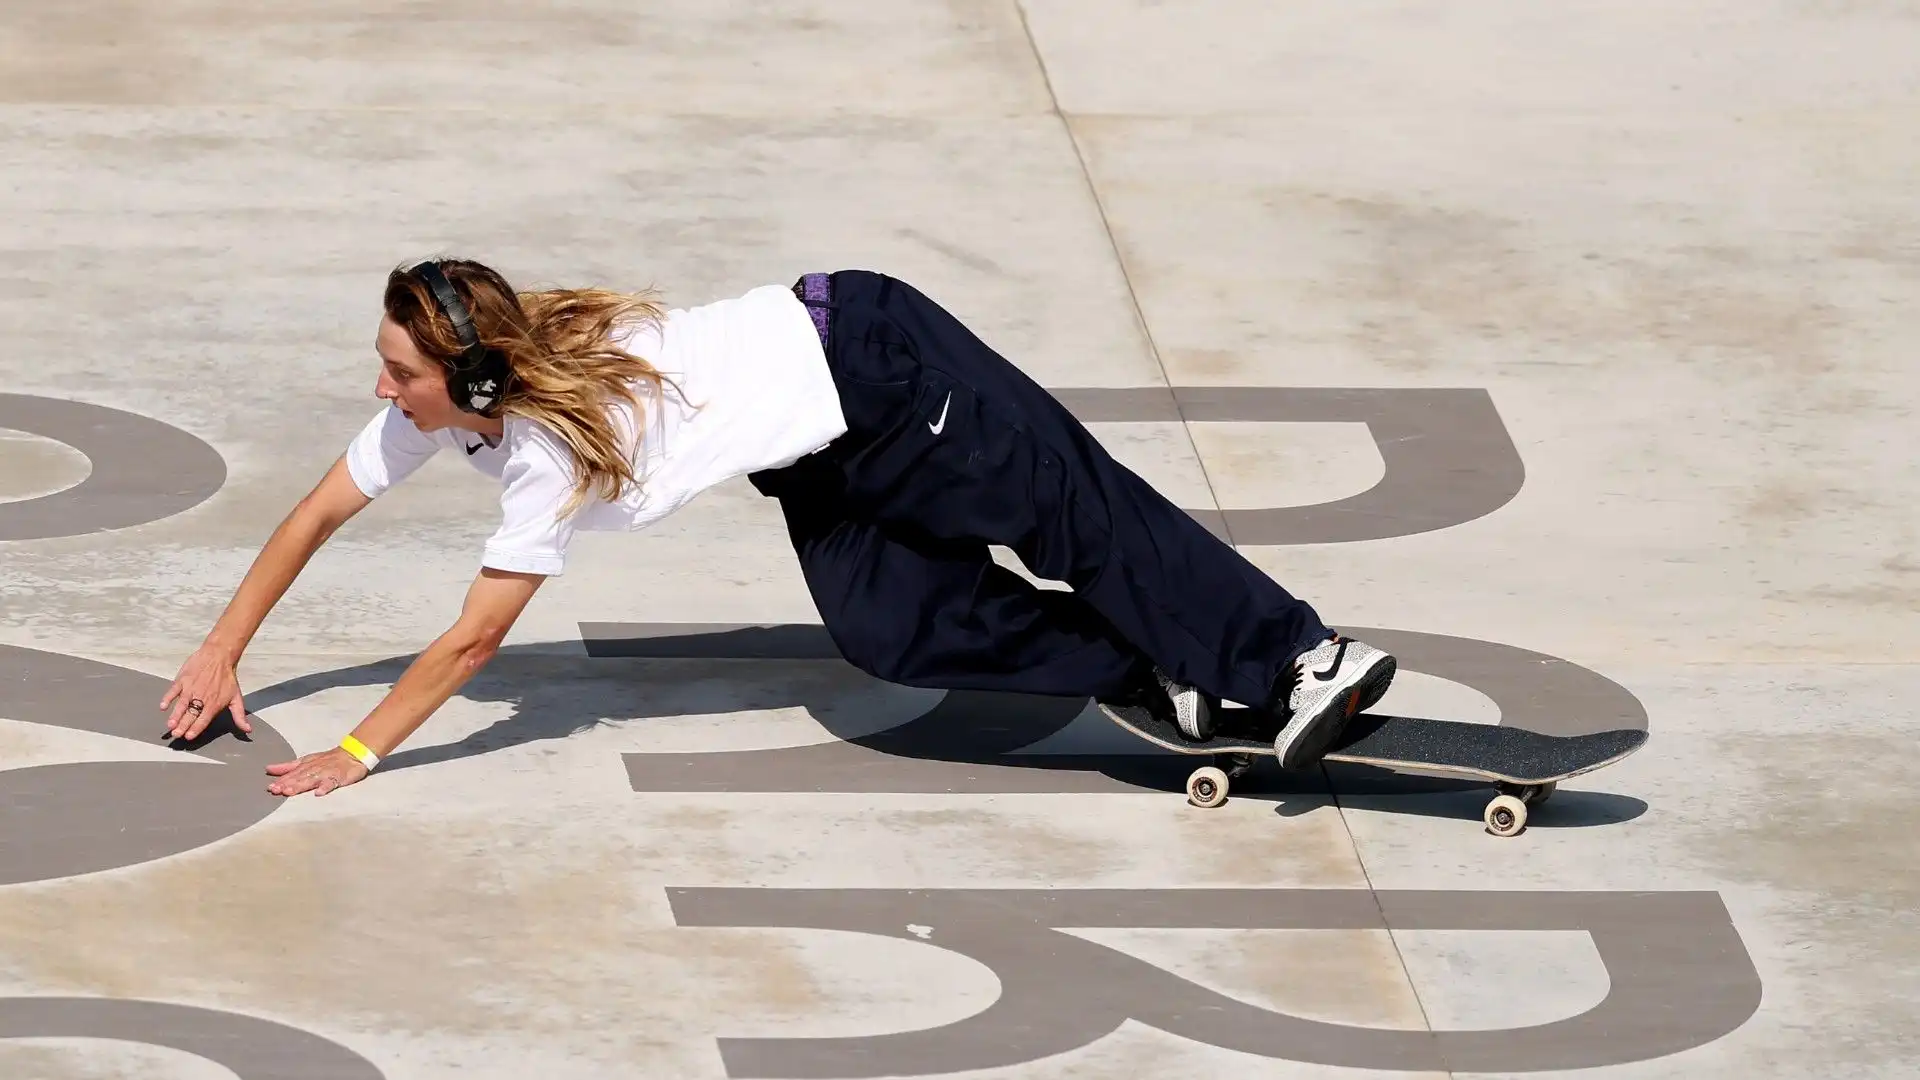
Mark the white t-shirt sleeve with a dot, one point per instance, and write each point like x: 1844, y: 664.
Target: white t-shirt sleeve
x: 388, y: 450
x: 535, y: 483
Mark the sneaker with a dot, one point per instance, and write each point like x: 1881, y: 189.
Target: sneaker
x: 1328, y: 684
x: 1185, y: 706
x: 1190, y: 707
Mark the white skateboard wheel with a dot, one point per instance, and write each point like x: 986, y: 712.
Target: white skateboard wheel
x: 1207, y: 787
x: 1505, y: 815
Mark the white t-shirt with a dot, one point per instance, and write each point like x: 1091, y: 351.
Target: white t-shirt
x: 757, y: 395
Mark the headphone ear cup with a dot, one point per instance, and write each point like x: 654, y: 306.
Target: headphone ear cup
x: 481, y: 388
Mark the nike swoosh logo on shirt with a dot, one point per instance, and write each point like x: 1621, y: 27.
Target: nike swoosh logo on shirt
x: 935, y: 427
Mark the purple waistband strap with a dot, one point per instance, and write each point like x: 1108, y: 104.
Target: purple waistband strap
x: 816, y: 287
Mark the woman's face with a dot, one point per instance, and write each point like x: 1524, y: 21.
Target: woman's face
x: 411, y: 381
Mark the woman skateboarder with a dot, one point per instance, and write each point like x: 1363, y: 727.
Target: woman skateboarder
x: 899, y: 445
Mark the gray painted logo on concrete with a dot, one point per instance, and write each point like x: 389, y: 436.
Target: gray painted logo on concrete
x: 1448, y: 456
x: 248, y: 1047
x: 79, y: 818
x: 54, y: 820
x: 1680, y: 976
x: 61, y: 820
x: 143, y: 469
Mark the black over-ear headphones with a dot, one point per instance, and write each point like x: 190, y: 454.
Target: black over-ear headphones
x: 477, y: 383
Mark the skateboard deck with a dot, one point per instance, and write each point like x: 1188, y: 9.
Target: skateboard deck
x: 1525, y: 766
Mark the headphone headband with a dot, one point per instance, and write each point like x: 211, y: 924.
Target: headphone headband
x: 435, y: 279
x: 477, y: 384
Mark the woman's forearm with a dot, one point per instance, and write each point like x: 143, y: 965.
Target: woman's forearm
x: 442, y: 668
x: 285, y: 554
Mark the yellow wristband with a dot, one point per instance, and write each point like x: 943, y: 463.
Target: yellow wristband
x: 359, y: 750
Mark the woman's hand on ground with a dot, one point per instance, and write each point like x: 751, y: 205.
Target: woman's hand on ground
x: 207, y: 683
x: 318, y: 772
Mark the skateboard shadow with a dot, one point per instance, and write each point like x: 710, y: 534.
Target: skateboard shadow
x: 969, y: 742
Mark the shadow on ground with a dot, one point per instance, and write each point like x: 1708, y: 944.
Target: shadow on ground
x: 969, y: 742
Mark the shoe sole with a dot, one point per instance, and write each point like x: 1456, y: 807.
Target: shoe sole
x: 1320, y: 731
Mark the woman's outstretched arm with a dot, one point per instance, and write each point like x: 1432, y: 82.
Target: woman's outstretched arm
x: 209, y: 681
x: 494, y: 602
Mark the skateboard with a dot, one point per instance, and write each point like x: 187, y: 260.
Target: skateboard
x: 1523, y: 766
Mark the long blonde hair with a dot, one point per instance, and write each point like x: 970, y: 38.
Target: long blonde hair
x: 563, y: 366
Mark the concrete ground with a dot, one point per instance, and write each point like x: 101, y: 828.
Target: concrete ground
x: 1567, y: 350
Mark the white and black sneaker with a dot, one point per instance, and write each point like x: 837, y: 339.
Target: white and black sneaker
x: 1186, y: 707
x: 1329, y: 683
x: 1191, y: 709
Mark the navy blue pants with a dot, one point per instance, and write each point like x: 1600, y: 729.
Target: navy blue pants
x: 949, y: 449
